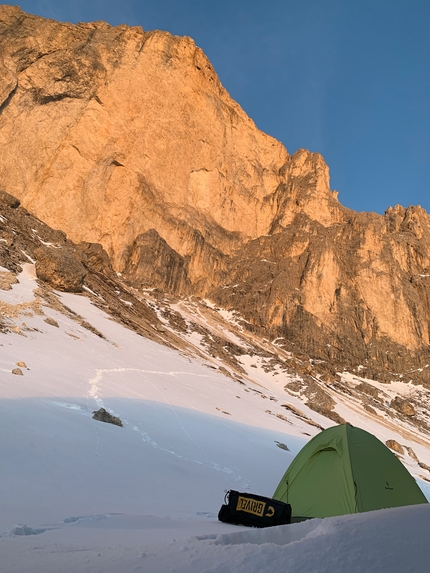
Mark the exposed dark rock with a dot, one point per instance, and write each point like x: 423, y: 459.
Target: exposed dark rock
x: 424, y: 466
x: 403, y: 406
x: 294, y: 410
x: 325, y: 412
x: 153, y: 263
x: 96, y: 258
x: 395, y: 446
x: 17, y: 371
x: 8, y: 200
x: 369, y: 409
x: 103, y: 416
x: 51, y: 321
x: 60, y: 268
x: 368, y: 389
x: 412, y: 454
x: 317, y: 395
x: 294, y: 386
x: 7, y: 280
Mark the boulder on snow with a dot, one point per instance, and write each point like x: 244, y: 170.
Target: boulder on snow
x: 103, y: 415
x: 424, y: 466
x: 403, y: 406
x: 17, y: 371
x: 282, y: 446
x: 395, y: 446
x: 60, y: 268
x: 412, y: 454
x: 368, y: 389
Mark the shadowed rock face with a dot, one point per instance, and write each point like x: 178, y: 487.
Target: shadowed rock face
x: 153, y: 262
x: 127, y: 138
x: 60, y: 268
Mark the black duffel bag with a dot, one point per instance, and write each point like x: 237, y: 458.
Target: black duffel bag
x: 253, y: 510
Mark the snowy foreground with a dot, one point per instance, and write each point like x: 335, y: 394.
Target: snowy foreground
x: 79, y: 495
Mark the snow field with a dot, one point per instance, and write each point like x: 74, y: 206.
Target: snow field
x: 81, y: 495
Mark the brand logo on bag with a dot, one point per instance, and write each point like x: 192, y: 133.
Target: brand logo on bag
x: 251, y: 506
x: 270, y: 511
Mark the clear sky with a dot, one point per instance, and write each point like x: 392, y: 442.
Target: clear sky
x: 347, y: 78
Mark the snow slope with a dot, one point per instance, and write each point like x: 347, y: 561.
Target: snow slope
x: 81, y: 495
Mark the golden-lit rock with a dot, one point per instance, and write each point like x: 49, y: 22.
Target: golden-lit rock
x: 128, y: 139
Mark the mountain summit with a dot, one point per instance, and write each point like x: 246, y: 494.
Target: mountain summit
x: 128, y: 139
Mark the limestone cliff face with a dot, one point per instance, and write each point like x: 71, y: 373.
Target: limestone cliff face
x: 356, y: 292
x: 127, y: 138
x: 113, y: 131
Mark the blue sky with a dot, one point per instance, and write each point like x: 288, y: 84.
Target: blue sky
x: 347, y: 78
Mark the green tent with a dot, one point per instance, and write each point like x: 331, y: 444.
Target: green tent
x: 346, y: 470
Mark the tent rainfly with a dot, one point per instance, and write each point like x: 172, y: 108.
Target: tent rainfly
x: 346, y: 470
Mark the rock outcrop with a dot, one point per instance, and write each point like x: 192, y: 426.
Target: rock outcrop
x: 61, y: 264
x: 395, y: 446
x: 403, y: 406
x: 127, y: 139
x: 8, y: 200
x: 103, y: 415
x: 356, y: 290
x: 60, y: 268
